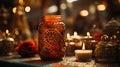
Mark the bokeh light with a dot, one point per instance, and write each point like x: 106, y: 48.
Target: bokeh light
x: 27, y: 9
x: 101, y: 7
x: 84, y: 13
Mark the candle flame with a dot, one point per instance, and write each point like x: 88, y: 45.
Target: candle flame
x: 7, y: 31
x: 75, y: 33
x: 68, y: 35
x: 88, y: 34
x: 83, y: 46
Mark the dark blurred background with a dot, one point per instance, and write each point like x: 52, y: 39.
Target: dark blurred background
x: 22, y: 17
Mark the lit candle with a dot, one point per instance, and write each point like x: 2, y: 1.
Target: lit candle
x: 88, y: 36
x: 68, y: 38
x: 7, y: 44
x: 75, y: 36
x: 83, y: 55
x: 7, y: 32
x: 68, y: 35
x: 83, y: 47
x: 75, y: 33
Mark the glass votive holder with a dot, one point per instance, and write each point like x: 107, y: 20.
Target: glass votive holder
x: 70, y: 47
x: 7, y: 45
x: 83, y: 55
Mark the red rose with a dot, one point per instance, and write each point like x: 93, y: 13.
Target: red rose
x: 27, y: 48
x: 97, y: 36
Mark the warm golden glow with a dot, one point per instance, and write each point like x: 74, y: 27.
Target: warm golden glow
x: 83, y: 46
x: 27, y: 9
x: 75, y: 34
x: 84, y: 13
x: 101, y: 7
x: 11, y: 39
x: 88, y: 34
x: 20, y: 2
x: 52, y: 9
x: 119, y: 1
x: 7, y: 31
x: 68, y: 35
x: 14, y: 10
x: 71, y: 1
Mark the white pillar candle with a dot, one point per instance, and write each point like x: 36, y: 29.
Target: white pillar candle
x: 88, y: 36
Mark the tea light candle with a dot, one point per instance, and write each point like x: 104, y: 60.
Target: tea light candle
x: 75, y: 36
x: 88, y: 36
x: 83, y: 55
x: 68, y: 37
x: 7, y: 44
x: 7, y: 32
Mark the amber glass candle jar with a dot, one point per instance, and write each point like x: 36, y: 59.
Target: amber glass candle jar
x: 51, y: 37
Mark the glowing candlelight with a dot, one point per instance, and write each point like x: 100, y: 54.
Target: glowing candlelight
x: 83, y: 55
x: 88, y: 34
x: 20, y: 2
x: 68, y: 36
x: 7, y: 32
x: 75, y: 36
x: 83, y: 47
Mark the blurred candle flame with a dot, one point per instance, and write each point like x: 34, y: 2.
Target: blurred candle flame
x: 88, y: 34
x: 75, y: 33
x: 68, y: 35
x: 101, y: 7
x: 84, y: 13
x: 7, y: 31
x: 83, y: 46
